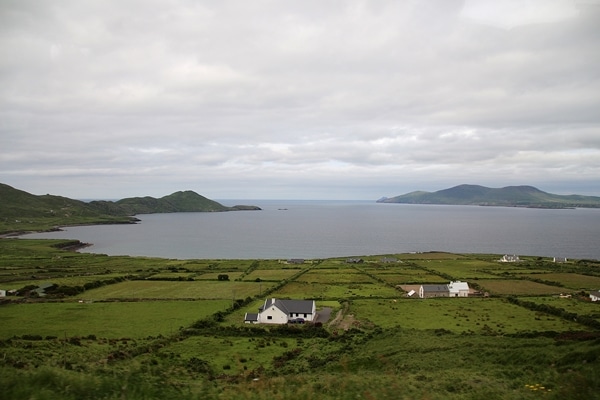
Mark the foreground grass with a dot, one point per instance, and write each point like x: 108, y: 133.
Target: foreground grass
x: 184, y: 338
x: 104, y: 319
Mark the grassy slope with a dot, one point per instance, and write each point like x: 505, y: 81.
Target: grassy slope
x: 21, y: 211
x: 395, y: 348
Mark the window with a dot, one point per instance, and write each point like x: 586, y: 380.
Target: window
x: 269, y: 317
x: 304, y: 315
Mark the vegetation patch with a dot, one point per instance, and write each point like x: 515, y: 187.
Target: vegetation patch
x: 517, y: 287
x: 459, y: 315
x: 104, y: 319
x: 162, y: 337
x: 148, y: 289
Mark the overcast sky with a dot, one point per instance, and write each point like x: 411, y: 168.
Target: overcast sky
x: 306, y: 99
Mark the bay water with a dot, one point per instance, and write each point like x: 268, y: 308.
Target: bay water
x: 286, y: 229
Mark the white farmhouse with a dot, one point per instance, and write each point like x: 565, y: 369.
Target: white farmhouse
x: 510, y: 258
x: 275, y: 311
x: 458, y: 289
x: 595, y: 296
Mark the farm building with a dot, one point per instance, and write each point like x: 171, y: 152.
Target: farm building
x: 275, y: 311
x: 354, y: 261
x: 251, y: 318
x: 426, y: 291
x: 559, y: 259
x: 453, y: 289
x: 458, y: 289
x: 595, y: 296
x: 2, y: 293
x: 510, y: 258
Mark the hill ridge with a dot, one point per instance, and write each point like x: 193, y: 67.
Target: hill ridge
x: 508, y: 196
x: 43, y: 212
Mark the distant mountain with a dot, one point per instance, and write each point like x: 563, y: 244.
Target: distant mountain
x: 18, y: 208
x: 510, y: 196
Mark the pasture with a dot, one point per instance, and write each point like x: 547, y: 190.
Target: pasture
x: 331, y: 291
x: 461, y: 269
x: 407, y: 276
x: 104, y: 319
x: 271, y: 274
x: 517, y: 287
x: 569, y: 280
x: 175, y: 331
x: 337, y: 276
x: 149, y: 289
x: 572, y: 304
x: 460, y: 315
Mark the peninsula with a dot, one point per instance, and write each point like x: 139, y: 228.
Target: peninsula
x: 22, y: 211
x: 509, y: 196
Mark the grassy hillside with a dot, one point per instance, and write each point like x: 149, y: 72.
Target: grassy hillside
x: 21, y: 211
x: 510, y: 196
x: 145, y: 328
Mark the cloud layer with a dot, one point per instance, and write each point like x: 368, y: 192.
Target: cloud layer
x: 312, y: 99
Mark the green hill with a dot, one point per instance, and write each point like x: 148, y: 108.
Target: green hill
x: 21, y: 211
x: 510, y: 196
x: 16, y: 203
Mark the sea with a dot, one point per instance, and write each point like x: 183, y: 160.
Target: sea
x: 286, y: 229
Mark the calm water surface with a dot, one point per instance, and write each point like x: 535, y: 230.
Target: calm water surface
x: 320, y: 229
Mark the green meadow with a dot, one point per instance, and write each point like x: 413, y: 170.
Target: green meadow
x: 156, y: 289
x: 145, y: 328
x: 104, y: 319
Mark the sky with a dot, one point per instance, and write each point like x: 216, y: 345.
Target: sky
x: 310, y: 99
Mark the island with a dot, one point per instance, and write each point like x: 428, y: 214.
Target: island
x: 509, y: 196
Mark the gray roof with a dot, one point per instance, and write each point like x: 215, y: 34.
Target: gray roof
x: 435, y: 288
x: 251, y: 317
x: 291, y: 306
x: 596, y: 293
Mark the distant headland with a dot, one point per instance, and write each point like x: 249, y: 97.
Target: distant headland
x: 22, y: 211
x: 509, y: 196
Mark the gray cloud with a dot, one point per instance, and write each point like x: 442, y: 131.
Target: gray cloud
x: 342, y: 99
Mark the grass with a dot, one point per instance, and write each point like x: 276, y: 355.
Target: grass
x: 173, y: 341
x: 517, y: 287
x: 460, y: 269
x: 480, y: 316
x: 339, y: 276
x: 571, y: 281
x: 176, y: 290
x: 271, y: 274
x: 573, y: 305
x: 110, y: 320
x: 305, y: 290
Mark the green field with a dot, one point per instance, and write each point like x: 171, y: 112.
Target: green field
x: 517, y: 287
x: 339, y: 276
x: 460, y: 269
x: 571, y: 281
x: 109, y: 320
x: 145, y: 328
x: 271, y: 274
x: 479, y: 316
x: 176, y: 290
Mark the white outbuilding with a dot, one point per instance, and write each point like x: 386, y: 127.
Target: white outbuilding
x: 458, y: 289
